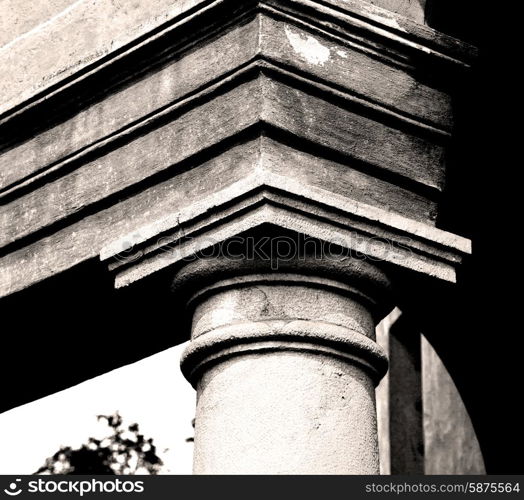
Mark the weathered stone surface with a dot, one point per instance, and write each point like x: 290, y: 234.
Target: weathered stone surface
x: 169, y: 145
x: 285, y: 361
x: 304, y: 74
x: 105, y: 121
x: 268, y: 199
x: 413, y: 9
x: 262, y: 100
x: 405, y: 398
x: 24, y: 18
x: 382, y: 395
x: 83, y: 239
x: 360, y: 78
x: 74, y: 41
x: 343, y: 179
x: 195, y: 122
x: 89, y: 234
x: 450, y: 442
x: 364, y: 73
x: 288, y: 415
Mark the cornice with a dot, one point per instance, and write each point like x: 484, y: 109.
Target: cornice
x: 260, y: 65
x: 381, y: 31
x: 268, y: 199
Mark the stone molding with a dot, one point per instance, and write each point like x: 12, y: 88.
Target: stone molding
x: 375, y: 22
x: 292, y: 328
x: 364, y: 93
x: 264, y: 199
x: 369, y: 30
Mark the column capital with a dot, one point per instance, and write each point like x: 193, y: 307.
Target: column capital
x: 326, y: 306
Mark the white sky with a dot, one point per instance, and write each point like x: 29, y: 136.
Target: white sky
x: 151, y: 392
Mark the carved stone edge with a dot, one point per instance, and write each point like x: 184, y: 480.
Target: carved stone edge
x: 268, y: 199
x: 271, y: 336
x: 388, y: 28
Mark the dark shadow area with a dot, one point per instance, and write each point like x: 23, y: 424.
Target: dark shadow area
x: 406, y: 430
x: 476, y: 326
x: 76, y: 326
x: 458, y: 18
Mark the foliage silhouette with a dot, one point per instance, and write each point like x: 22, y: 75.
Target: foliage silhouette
x: 124, y: 451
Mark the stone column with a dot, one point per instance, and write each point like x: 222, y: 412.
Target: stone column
x: 285, y: 365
